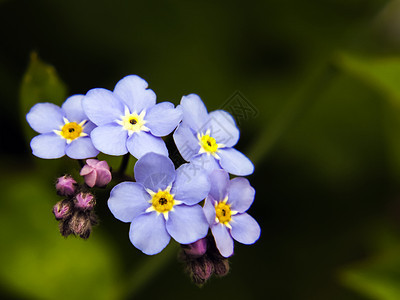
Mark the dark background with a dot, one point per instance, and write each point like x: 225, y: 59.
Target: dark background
x: 321, y: 82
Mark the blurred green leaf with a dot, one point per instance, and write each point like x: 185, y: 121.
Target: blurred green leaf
x: 382, y: 73
x: 39, y: 84
x: 36, y: 261
x: 379, y: 276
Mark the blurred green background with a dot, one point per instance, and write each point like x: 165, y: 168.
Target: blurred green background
x: 323, y: 77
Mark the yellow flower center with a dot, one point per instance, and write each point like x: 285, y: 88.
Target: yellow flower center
x: 163, y: 201
x: 71, y: 131
x: 223, y: 212
x: 133, y: 122
x: 209, y: 144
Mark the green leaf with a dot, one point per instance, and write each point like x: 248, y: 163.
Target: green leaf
x: 382, y: 73
x: 37, y: 262
x: 379, y: 276
x: 40, y: 83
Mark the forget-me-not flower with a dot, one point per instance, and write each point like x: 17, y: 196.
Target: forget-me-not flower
x: 225, y: 209
x: 129, y: 119
x: 62, y: 130
x: 207, y: 139
x: 162, y: 203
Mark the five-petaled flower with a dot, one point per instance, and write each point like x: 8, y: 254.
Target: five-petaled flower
x: 62, y: 130
x: 129, y: 119
x: 225, y: 209
x: 207, y: 139
x: 162, y: 203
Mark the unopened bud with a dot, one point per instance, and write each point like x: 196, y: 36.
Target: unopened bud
x: 201, y: 270
x: 62, y: 209
x: 221, y: 267
x: 66, y: 185
x: 84, y: 201
x: 196, y: 249
x: 96, y: 173
x: 80, y: 224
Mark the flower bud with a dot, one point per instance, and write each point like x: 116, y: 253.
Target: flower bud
x: 96, y: 173
x: 66, y: 185
x: 201, y: 270
x: 196, y: 249
x: 80, y: 224
x: 221, y: 267
x: 84, y: 201
x: 62, y: 209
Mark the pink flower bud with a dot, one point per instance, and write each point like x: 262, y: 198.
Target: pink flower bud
x: 96, y: 173
x: 66, y: 185
x: 196, y: 249
x: 80, y: 225
x: 84, y: 201
x: 62, y: 209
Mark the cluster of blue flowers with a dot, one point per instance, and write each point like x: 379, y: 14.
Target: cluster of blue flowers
x: 163, y: 202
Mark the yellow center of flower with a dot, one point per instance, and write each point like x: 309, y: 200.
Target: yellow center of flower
x: 133, y: 122
x: 208, y: 144
x: 71, y: 131
x: 163, y: 201
x: 223, y: 212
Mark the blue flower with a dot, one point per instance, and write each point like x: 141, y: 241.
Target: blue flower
x: 207, y: 139
x: 225, y: 209
x: 162, y: 203
x: 128, y: 118
x: 62, y: 130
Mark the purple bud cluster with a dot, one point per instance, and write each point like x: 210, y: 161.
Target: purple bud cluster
x: 75, y: 213
x: 202, y: 259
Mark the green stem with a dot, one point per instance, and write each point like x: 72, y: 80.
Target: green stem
x: 124, y: 164
x: 306, y: 94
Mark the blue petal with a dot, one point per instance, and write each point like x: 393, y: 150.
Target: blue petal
x: 45, y: 117
x: 73, y: 109
x: 128, y: 200
x: 148, y: 233
x: 48, y: 145
x: 223, y: 128
x: 154, y: 171
x: 208, y: 162
x: 223, y: 239
x: 187, y: 224
x: 81, y: 148
x: 110, y: 139
x: 194, y: 112
x: 186, y: 142
x: 140, y: 143
x: 219, y: 184
x: 245, y: 229
x: 235, y: 162
x: 240, y: 194
x: 134, y: 93
x: 191, y: 184
x: 209, y: 209
x: 102, y: 106
x: 163, y: 118
x: 88, y: 127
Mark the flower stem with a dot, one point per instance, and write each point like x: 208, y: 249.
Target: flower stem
x: 124, y: 164
x: 303, y: 98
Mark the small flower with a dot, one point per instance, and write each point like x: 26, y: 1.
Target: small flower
x: 84, y: 201
x: 62, y: 210
x: 225, y: 209
x: 96, y: 173
x: 207, y: 139
x: 162, y: 203
x: 62, y: 130
x: 66, y: 185
x: 128, y: 118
